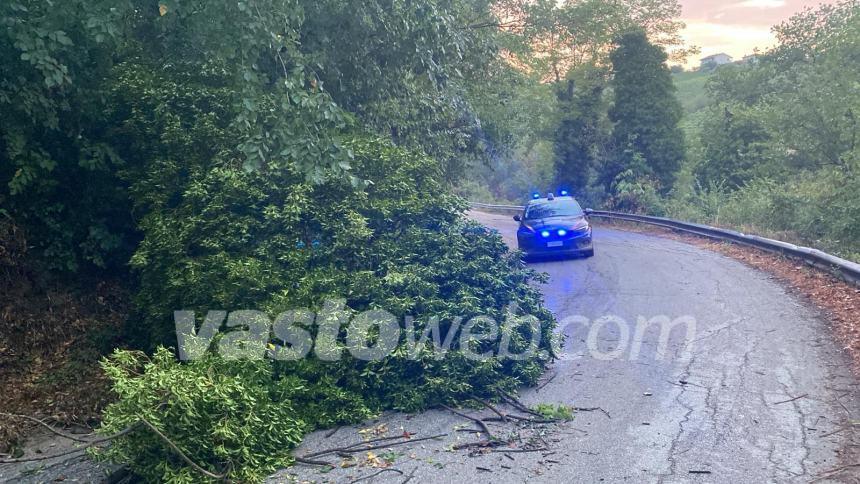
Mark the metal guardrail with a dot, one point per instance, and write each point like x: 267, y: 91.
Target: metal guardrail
x: 847, y: 270
x: 504, y: 209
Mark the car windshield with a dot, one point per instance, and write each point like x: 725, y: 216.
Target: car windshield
x: 556, y: 208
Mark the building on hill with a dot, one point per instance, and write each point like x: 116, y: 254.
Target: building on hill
x: 749, y: 59
x: 712, y: 61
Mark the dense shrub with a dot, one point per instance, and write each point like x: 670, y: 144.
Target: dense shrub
x: 817, y: 209
x: 635, y: 194
x: 234, y: 415
x: 220, y: 237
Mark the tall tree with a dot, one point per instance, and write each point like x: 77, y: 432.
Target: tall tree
x: 646, y: 112
x: 405, y: 68
x: 581, y: 135
x: 398, y: 68
x: 558, y: 36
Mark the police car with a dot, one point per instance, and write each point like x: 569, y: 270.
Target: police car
x: 554, y: 225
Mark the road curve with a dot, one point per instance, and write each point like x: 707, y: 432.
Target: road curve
x: 755, y: 349
x: 756, y: 392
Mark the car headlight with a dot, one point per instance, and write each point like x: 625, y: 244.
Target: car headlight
x: 544, y: 233
x: 562, y: 232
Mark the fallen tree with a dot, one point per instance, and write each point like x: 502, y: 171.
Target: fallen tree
x: 272, y: 242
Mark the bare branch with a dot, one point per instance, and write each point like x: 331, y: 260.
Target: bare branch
x: 197, y: 467
x: 45, y: 425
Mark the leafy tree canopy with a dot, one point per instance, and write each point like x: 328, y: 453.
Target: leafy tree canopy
x: 646, y: 112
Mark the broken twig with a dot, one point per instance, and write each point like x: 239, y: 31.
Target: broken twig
x: 591, y: 409
x: 91, y: 443
x: 380, y: 471
x: 47, y: 426
x: 792, y: 399
x: 478, y: 421
x: 547, y: 382
x: 362, y: 446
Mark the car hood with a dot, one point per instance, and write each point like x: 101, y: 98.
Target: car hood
x: 569, y: 223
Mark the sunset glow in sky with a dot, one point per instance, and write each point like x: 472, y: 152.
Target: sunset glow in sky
x: 735, y: 27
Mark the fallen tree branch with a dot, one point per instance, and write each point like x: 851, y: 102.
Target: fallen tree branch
x: 361, y: 447
x: 194, y: 465
x: 45, y: 425
x: 91, y: 443
x: 478, y: 421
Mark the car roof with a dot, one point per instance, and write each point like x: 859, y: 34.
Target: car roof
x: 546, y: 200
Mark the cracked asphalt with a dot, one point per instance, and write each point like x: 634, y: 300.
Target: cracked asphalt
x: 756, y: 392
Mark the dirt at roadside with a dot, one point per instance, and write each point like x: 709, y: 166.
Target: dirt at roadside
x: 53, y: 334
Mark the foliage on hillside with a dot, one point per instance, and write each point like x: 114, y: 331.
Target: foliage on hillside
x: 553, y: 44
x: 691, y: 90
x: 778, y: 148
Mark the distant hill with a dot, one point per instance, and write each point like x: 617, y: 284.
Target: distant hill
x: 691, y: 89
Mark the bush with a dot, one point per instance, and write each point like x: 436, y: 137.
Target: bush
x: 635, y: 194
x: 232, y: 417
x: 219, y: 237
x: 818, y: 209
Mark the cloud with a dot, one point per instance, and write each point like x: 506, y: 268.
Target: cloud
x: 733, y: 39
x: 729, y: 33
x: 762, y: 4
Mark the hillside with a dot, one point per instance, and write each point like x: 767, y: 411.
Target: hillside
x: 691, y: 89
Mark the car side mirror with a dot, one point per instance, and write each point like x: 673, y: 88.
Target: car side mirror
x: 588, y: 212
x: 517, y: 217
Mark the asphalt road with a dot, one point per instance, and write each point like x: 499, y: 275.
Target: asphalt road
x: 757, y: 391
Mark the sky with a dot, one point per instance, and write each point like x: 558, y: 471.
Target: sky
x: 735, y: 27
